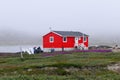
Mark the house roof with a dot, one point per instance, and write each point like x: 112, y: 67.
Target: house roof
x: 70, y: 33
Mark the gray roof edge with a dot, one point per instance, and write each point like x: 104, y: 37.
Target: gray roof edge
x: 65, y: 33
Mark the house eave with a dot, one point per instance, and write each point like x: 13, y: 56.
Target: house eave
x: 57, y: 33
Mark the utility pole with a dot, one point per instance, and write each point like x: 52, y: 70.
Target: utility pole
x: 50, y: 29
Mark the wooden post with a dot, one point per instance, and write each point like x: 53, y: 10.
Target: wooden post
x: 21, y: 53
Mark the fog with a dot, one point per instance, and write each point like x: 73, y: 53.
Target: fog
x: 26, y: 21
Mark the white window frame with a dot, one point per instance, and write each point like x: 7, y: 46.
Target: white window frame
x: 65, y: 40
x: 51, y: 39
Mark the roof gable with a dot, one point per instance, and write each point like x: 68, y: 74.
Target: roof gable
x: 70, y: 33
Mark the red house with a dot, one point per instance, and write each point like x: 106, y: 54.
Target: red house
x: 64, y: 40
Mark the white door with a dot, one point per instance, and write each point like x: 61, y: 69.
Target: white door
x: 76, y: 41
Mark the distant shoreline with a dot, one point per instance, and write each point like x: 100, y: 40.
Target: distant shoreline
x: 15, y: 48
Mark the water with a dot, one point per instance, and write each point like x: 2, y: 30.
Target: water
x: 16, y: 48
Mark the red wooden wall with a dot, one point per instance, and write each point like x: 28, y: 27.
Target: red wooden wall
x: 58, y: 41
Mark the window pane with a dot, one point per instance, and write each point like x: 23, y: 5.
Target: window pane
x: 85, y: 38
x: 51, y: 39
x: 64, y: 39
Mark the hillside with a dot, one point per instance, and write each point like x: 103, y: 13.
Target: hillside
x: 70, y: 66
x: 104, y: 40
x: 12, y: 37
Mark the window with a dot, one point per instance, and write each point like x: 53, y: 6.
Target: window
x: 51, y: 39
x: 64, y: 39
x: 85, y: 38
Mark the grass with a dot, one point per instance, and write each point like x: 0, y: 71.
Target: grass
x: 75, y: 66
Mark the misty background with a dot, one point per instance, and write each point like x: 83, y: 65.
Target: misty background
x: 26, y: 21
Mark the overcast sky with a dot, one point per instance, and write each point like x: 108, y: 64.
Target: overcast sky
x: 93, y: 17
